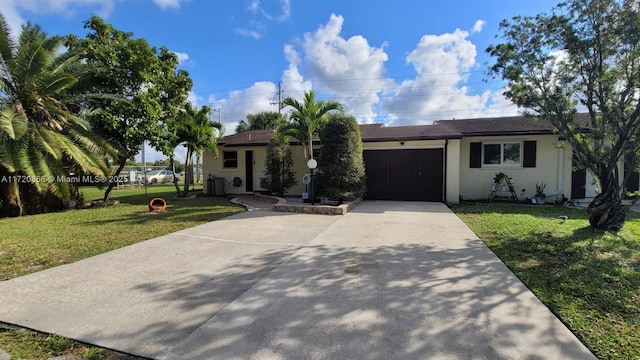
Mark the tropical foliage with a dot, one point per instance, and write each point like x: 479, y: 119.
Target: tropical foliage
x: 341, y: 172
x: 279, y: 175
x: 43, y: 136
x: 584, y: 56
x: 307, y: 117
x: 198, y: 132
x: 140, y: 88
x: 265, y: 120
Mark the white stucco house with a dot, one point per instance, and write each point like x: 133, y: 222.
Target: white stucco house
x: 446, y: 161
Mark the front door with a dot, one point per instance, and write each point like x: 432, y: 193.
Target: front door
x: 248, y: 171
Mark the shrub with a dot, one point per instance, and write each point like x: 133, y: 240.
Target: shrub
x: 278, y: 172
x: 341, y: 173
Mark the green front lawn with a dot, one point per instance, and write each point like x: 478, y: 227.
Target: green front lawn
x: 590, y: 280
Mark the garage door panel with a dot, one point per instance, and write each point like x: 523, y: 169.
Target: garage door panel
x: 401, y: 163
x: 376, y: 171
x: 414, y: 174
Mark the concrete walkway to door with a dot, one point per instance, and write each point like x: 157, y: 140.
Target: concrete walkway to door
x: 389, y: 280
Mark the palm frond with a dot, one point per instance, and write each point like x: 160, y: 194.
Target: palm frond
x: 12, y: 124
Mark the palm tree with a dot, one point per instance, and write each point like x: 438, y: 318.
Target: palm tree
x: 307, y: 118
x: 198, y: 132
x: 41, y: 139
x: 264, y: 120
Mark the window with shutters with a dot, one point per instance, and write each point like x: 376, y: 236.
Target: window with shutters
x: 502, y: 154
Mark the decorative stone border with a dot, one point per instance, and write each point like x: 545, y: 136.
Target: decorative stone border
x: 269, y: 198
x: 281, y: 204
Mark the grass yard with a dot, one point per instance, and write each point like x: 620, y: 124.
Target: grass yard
x: 34, y: 243
x: 590, y: 280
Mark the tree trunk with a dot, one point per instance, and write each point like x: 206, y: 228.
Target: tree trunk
x: 175, y: 178
x: 606, y: 211
x: 11, y: 201
x: 187, y: 178
x: 107, y: 193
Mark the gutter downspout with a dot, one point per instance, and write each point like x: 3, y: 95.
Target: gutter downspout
x: 560, y: 170
x: 444, y: 175
x: 559, y: 192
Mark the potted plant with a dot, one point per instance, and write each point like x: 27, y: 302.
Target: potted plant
x: 540, y: 196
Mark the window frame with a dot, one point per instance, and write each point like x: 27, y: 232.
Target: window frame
x: 231, y: 162
x: 502, y: 163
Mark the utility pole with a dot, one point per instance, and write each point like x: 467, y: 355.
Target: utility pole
x: 279, y: 103
x: 219, y: 115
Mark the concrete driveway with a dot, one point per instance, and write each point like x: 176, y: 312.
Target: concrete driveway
x: 389, y: 280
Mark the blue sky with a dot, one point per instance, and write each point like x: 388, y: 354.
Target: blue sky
x: 399, y: 62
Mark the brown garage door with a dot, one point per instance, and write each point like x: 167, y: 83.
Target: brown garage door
x: 414, y: 174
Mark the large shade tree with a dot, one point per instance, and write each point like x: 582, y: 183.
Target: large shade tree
x: 43, y: 137
x: 132, y: 77
x: 171, y: 90
x: 307, y: 117
x: 583, y: 56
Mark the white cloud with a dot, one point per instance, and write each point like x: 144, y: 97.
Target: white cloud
x: 294, y: 84
x: 347, y: 70
x: 182, y: 57
x: 248, y: 33
x: 442, y: 64
x: 351, y: 71
x: 258, y: 97
x: 257, y: 28
x: 477, y: 27
x: 254, y: 6
x: 11, y: 9
x: 66, y: 8
x: 165, y: 4
x: 285, y: 10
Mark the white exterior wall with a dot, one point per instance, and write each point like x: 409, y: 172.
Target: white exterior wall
x: 452, y: 167
x: 553, y: 167
x: 214, y: 167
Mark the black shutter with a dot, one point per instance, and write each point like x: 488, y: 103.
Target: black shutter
x: 529, y: 155
x: 475, y: 155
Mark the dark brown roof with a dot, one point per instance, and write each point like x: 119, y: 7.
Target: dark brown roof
x: 442, y: 129
x: 379, y: 132
x: 251, y: 137
x: 512, y: 125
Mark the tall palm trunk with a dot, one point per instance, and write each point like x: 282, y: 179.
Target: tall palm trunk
x: 188, y: 173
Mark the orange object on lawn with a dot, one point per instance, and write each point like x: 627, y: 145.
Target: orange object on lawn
x: 157, y: 205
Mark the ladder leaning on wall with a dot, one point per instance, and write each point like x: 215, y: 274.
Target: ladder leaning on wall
x: 502, y: 180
